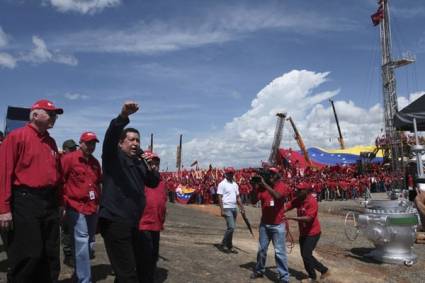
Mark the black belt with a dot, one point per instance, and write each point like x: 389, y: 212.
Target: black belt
x: 43, y: 191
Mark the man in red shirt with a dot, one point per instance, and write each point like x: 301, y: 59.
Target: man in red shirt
x: 272, y: 196
x: 30, y: 174
x: 81, y: 192
x: 309, y: 226
x: 151, y: 224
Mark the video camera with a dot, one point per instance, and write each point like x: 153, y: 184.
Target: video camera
x: 256, y: 179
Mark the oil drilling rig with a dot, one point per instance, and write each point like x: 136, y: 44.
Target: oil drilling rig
x: 392, y: 142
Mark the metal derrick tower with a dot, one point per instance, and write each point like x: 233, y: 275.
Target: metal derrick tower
x: 277, y: 137
x: 389, y: 85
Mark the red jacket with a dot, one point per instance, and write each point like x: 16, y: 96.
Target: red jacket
x: 153, y: 217
x: 82, y: 179
x: 27, y: 158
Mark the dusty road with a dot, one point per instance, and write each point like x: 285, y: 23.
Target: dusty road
x: 189, y: 251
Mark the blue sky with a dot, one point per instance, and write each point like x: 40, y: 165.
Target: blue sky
x: 215, y: 71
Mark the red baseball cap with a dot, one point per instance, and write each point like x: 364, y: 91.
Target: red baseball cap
x: 229, y: 170
x: 88, y: 136
x: 46, y: 105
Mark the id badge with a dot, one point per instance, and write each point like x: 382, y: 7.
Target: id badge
x: 92, y: 195
x: 272, y: 203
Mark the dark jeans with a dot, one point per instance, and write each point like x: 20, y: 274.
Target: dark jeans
x: 66, y: 238
x: 307, y: 245
x: 33, y: 244
x: 123, y: 249
x: 150, y: 254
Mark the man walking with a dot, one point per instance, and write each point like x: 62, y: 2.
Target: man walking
x: 30, y: 175
x: 272, y: 195
x: 124, y: 177
x: 309, y: 226
x: 81, y: 192
x: 228, y: 198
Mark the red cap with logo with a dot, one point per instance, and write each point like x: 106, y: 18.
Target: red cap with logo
x: 229, y: 170
x: 88, y: 136
x: 46, y: 105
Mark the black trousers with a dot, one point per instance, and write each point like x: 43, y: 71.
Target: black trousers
x: 66, y: 238
x: 307, y: 245
x: 150, y: 253
x: 33, y: 244
x: 123, y: 249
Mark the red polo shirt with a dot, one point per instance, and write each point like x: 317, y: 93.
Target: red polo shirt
x: 27, y: 158
x: 308, y: 207
x: 153, y: 217
x: 82, y: 179
x: 273, y: 209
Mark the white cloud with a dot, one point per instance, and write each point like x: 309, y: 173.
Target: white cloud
x: 7, y: 60
x: 4, y: 38
x: 231, y: 24
x: 41, y: 54
x: 76, y: 96
x: 246, y: 140
x: 82, y: 6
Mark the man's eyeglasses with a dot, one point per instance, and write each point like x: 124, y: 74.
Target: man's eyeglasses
x: 51, y: 114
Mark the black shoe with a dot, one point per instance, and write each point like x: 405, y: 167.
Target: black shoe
x: 256, y: 275
x: 69, y: 261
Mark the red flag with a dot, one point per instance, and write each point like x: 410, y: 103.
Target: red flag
x: 378, y: 16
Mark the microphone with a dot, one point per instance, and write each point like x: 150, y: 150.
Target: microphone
x: 140, y: 153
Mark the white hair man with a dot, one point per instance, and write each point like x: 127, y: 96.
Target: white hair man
x: 30, y: 175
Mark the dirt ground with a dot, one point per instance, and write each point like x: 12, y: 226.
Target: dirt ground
x: 189, y: 251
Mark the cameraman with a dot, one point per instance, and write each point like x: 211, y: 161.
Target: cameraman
x: 272, y: 195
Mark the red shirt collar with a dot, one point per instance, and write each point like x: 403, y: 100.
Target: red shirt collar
x: 41, y: 135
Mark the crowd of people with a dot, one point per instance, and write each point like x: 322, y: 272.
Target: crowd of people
x: 329, y: 183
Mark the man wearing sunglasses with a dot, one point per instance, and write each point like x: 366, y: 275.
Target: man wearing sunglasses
x: 30, y: 175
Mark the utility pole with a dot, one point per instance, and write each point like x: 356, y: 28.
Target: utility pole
x: 179, y: 156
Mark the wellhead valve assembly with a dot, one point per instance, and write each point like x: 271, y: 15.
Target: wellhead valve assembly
x: 390, y: 225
